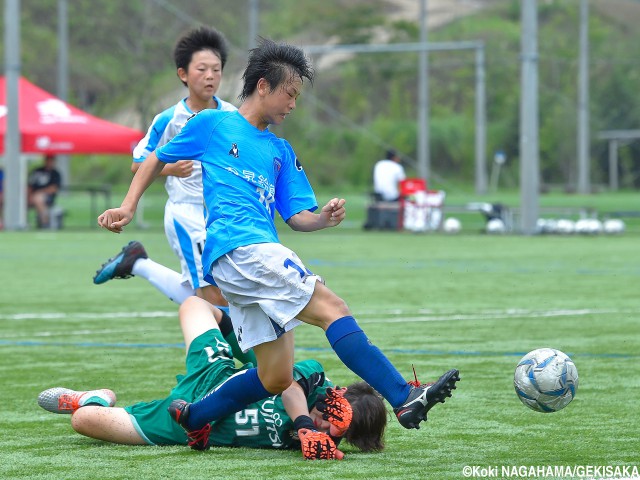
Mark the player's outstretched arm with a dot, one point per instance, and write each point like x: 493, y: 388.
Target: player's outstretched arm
x: 115, y: 219
x: 331, y: 215
x: 182, y: 168
x: 295, y: 401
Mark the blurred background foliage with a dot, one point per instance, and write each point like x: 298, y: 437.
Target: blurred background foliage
x: 121, y: 68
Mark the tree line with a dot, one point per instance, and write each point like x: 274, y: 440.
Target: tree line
x: 120, y: 59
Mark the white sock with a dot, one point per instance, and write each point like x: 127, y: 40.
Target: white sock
x: 168, y: 281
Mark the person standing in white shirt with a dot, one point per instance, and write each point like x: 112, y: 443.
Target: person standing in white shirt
x: 387, y: 175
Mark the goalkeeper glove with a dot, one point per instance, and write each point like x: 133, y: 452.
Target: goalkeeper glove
x: 336, y: 410
x: 315, y: 445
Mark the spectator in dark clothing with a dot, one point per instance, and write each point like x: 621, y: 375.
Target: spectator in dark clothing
x: 44, y: 184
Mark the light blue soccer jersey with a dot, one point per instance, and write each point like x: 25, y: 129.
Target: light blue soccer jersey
x: 164, y: 127
x: 248, y: 174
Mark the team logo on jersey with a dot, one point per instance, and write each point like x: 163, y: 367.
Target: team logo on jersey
x: 277, y: 164
x: 298, y: 165
x: 234, y: 150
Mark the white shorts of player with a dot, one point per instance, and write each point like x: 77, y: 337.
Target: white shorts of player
x: 184, y: 225
x: 266, y: 285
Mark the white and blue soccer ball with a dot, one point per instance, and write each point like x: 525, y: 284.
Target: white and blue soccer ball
x: 546, y: 380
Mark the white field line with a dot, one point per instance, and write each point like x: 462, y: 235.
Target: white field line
x: 490, y: 315
x: 364, y: 317
x: 70, y: 333
x: 424, y: 314
x: 93, y: 316
x: 85, y: 316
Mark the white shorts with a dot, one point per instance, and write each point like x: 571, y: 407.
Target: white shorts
x: 266, y: 285
x: 185, y: 227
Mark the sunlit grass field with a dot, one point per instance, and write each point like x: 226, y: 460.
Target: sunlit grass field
x: 432, y: 301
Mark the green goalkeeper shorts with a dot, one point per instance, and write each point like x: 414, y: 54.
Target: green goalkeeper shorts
x: 209, y: 363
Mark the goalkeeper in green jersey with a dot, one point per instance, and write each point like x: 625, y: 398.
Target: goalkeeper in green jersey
x: 311, y: 414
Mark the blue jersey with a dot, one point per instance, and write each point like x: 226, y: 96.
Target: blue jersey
x: 248, y: 174
x: 164, y: 127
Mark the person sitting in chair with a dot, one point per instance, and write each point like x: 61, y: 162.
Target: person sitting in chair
x: 43, y: 185
x: 387, y: 174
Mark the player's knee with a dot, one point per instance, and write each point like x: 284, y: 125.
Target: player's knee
x: 279, y: 386
x: 333, y: 306
x: 80, y: 421
x: 276, y: 384
x: 339, y: 309
x: 189, y: 303
x: 342, y: 307
x: 191, y: 306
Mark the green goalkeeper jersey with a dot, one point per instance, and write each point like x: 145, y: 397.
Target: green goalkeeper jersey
x: 265, y: 424
x: 208, y: 364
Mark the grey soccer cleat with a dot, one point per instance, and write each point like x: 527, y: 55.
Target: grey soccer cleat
x: 65, y: 400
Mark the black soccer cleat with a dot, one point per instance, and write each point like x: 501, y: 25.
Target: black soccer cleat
x: 198, y: 439
x: 423, y: 397
x: 121, y: 265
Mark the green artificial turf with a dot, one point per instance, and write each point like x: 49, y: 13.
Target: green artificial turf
x: 432, y: 301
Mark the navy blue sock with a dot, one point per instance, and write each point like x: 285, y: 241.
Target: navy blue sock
x: 232, y: 396
x: 365, y: 360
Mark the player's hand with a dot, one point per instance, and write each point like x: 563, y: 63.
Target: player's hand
x: 336, y: 410
x: 182, y: 168
x: 318, y: 446
x: 115, y: 219
x: 334, y: 212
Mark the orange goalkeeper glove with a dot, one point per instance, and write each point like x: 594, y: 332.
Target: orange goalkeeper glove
x: 318, y: 446
x: 336, y: 410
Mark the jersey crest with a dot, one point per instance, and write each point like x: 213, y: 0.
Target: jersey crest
x: 234, y: 150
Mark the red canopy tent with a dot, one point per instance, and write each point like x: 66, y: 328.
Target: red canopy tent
x: 49, y: 125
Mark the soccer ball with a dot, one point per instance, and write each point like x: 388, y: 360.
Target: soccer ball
x: 546, y: 380
x: 452, y: 225
x: 613, y: 225
x: 589, y: 226
x: 565, y: 226
x: 495, y: 225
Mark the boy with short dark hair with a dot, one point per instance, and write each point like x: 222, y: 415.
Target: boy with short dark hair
x: 200, y: 56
